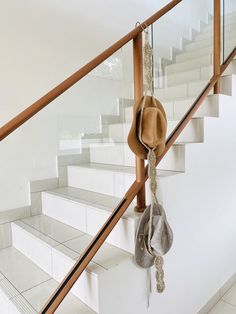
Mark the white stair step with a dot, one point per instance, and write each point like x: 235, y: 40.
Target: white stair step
x: 208, y: 34
x: 116, y: 179
x: 230, y: 23
x: 209, y: 108
x: 177, y: 109
x: 189, y: 64
x: 91, y: 286
x: 24, y: 287
x: 204, y: 43
x: 193, y: 132
x: 187, y: 90
x: 203, y: 74
x: 87, y: 211
x: 120, y: 154
x: 228, y: 85
x: 206, y: 51
x: 197, y: 74
x: 231, y: 69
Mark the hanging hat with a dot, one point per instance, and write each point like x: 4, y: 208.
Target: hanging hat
x: 149, y: 118
x: 161, y: 237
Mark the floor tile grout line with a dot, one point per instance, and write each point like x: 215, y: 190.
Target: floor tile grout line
x: 31, y: 289
x: 234, y: 305
x: 37, y: 285
x: 42, y: 233
x: 80, y: 201
x: 21, y: 293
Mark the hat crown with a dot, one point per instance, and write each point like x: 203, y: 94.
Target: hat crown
x: 148, y: 129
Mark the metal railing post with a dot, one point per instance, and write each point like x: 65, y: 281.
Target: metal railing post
x: 217, y: 43
x: 138, y: 92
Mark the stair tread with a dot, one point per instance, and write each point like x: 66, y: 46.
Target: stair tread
x: 27, y: 287
x: 95, y: 199
x: 72, y: 243
x: 122, y: 169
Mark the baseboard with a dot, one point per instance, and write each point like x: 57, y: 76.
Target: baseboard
x: 6, y: 218
x: 218, y: 295
x: 36, y: 187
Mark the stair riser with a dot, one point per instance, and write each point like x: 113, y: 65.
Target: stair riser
x: 197, y: 74
x: 230, y: 24
x: 177, y: 109
x: 201, y: 74
x: 228, y: 85
x: 192, y: 133
x: 113, y: 183
x: 231, y: 68
x: 229, y: 33
x: 82, y: 217
x: 193, y: 54
x: 202, y: 44
x: 180, y: 91
x: 189, y: 64
x: 120, y: 154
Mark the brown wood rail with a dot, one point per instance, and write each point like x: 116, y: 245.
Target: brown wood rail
x: 138, y: 92
x: 111, y: 222
x: 28, y: 113
x: 217, y: 42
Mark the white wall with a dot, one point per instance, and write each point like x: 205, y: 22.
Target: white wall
x: 200, y: 206
x: 42, y: 42
x: 179, y: 23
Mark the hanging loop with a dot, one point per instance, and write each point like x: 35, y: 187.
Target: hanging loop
x: 143, y: 26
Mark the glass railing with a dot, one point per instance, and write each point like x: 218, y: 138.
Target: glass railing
x: 67, y: 168
x: 183, y: 55
x: 228, y: 22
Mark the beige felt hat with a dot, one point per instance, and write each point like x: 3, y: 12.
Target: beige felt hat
x: 149, y: 123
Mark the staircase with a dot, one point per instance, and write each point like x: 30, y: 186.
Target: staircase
x: 47, y: 244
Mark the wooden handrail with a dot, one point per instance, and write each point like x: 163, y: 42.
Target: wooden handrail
x: 74, y: 274
x: 217, y: 42
x: 28, y: 113
x: 138, y: 92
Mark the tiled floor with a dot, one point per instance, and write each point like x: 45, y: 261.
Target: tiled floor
x: 227, y: 305
x: 25, y: 287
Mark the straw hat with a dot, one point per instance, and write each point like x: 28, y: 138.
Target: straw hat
x: 149, y: 122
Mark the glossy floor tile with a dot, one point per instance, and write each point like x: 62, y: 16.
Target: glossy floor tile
x: 19, y: 270
x: 108, y: 256
x: 52, y: 228
x: 223, y: 308
x: 227, y: 304
x: 76, y: 194
x: 230, y: 296
x: 38, y: 296
x: 25, y: 288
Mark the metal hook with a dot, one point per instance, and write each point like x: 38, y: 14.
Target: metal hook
x: 143, y: 26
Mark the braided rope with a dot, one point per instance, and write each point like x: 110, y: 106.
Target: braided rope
x: 152, y: 173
